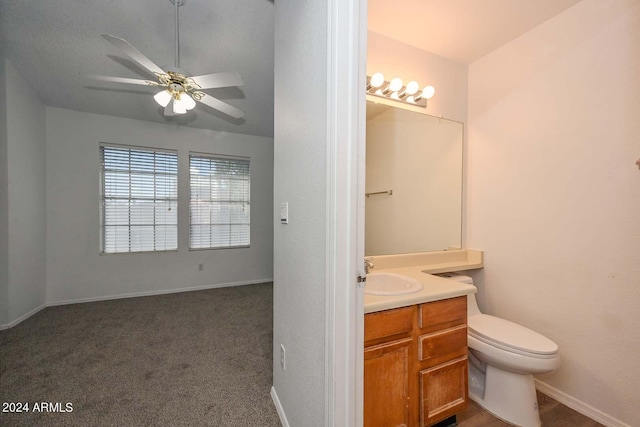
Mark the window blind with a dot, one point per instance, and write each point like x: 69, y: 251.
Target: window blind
x: 220, y: 202
x: 139, y: 199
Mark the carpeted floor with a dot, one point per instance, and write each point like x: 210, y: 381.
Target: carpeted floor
x: 200, y: 358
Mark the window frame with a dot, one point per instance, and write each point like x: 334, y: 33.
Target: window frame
x: 214, y: 156
x: 102, y: 197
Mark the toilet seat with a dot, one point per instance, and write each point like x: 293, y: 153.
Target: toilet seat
x: 510, y: 336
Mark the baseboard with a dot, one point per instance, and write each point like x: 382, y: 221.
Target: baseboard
x: 22, y: 318
x: 130, y: 295
x: 579, y: 406
x: 279, y: 409
x: 158, y: 292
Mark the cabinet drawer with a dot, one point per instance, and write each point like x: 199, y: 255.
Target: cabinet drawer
x: 437, y: 315
x: 443, y: 345
x: 389, y: 323
x: 443, y: 391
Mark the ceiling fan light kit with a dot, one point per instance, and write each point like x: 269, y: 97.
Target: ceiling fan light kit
x: 181, y: 91
x: 179, y: 96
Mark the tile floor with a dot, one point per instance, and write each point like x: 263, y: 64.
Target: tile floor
x: 552, y: 414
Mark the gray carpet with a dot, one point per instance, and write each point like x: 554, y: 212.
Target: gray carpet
x: 200, y: 358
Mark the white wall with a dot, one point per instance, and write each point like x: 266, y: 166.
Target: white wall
x: 554, y: 194
x: 75, y: 269
x: 300, y: 150
x: 25, y: 209
x: 4, y: 200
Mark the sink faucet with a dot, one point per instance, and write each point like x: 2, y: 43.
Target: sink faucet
x: 368, y: 265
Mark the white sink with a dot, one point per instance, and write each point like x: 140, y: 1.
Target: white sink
x: 391, y: 284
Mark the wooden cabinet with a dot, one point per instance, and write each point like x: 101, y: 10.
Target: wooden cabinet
x: 388, y: 367
x: 443, y: 391
x: 415, y: 364
x: 386, y: 379
x: 442, y: 359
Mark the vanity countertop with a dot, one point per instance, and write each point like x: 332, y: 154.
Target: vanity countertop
x: 435, y: 288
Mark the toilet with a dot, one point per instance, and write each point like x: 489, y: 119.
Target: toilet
x: 503, y: 357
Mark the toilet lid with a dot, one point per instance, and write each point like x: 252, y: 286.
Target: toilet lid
x: 508, y: 335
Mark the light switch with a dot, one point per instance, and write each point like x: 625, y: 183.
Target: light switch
x: 284, y: 213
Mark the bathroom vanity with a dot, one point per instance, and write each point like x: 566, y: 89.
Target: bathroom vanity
x: 415, y: 355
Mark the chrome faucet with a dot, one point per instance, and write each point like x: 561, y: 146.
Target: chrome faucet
x: 368, y: 265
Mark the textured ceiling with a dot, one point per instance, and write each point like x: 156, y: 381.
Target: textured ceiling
x: 461, y: 30
x: 55, y: 44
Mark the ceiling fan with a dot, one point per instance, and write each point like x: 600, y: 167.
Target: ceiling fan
x: 181, y: 90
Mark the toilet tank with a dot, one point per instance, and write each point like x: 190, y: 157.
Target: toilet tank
x: 472, y: 304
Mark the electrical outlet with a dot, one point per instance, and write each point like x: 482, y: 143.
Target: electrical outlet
x: 201, y: 267
x: 282, y: 360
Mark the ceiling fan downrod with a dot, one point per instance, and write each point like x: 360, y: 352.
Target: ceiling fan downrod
x: 177, y: 4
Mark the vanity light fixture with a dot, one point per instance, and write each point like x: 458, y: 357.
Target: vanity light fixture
x: 395, y: 90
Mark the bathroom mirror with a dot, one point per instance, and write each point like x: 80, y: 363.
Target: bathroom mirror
x: 413, y: 182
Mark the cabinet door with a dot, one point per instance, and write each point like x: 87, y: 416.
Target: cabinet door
x: 386, y: 384
x: 443, y: 391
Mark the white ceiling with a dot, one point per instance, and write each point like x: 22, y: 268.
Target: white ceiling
x: 55, y: 44
x: 461, y: 30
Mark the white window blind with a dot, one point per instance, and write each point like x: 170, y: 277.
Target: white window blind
x: 220, y: 202
x: 139, y: 199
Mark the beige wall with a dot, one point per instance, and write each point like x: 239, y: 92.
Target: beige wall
x: 449, y: 78
x: 554, y: 195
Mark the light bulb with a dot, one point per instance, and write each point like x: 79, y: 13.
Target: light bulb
x: 428, y: 92
x: 187, y: 101
x: 396, y: 84
x: 162, y: 98
x: 179, y: 101
x: 412, y: 87
x: 178, y: 107
x: 395, y: 96
x: 182, y: 103
x: 376, y: 80
x: 411, y: 99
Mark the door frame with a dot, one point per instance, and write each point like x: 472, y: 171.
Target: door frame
x: 346, y: 80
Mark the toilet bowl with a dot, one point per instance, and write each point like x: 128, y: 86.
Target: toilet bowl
x: 503, y: 357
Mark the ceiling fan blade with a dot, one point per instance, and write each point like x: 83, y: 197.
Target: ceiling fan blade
x: 123, y: 80
x: 214, y: 80
x: 133, y: 53
x: 221, y: 106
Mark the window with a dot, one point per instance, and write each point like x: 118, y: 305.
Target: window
x: 139, y: 198
x: 219, y: 206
